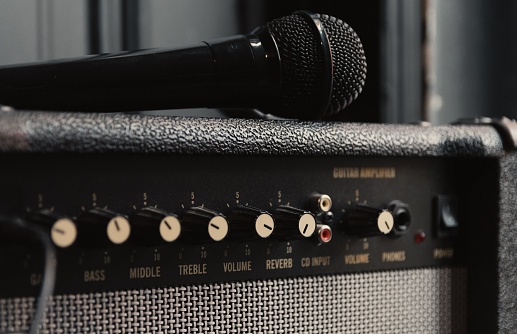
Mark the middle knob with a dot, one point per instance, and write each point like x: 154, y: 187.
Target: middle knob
x: 154, y: 226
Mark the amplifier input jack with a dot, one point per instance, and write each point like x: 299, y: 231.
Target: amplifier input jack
x: 401, y: 217
x: 326, y: 217
x: 321, y: 202
x: 324, y: 233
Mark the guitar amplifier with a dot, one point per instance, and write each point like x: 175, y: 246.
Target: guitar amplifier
x: 198, y: 225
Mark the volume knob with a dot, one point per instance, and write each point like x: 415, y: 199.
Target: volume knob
x: 366, y: 221
x: 294, y: 223
x: 251, y: 223
x: 102, y: 226
x: 204, y: 225
x: 154, y: 226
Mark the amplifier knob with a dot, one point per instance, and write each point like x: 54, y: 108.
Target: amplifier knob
x: 203, y: 225
x: 293, y: 223
x: 250, y: 223
x: 100, y: 227
x: 63, y: 231
x: 366, y: 221
x: 153, y: 226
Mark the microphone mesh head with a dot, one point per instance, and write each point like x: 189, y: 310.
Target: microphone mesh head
x: 349, y: 62
x: 302, y: 63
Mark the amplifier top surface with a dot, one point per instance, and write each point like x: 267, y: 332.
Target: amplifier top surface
x: 81, y: 132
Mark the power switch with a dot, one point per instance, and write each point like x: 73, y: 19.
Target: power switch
x: 446, y: 217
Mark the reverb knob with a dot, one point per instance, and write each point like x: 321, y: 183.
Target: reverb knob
x: 63, y: 230
x: 250, y: 223
x: 102, y: 226
x: 366, y: 221
x: 294, y: 223
x: 203, y: 225
x: 153, y: 226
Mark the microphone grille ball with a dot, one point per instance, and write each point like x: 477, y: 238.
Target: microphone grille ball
x: 303, y: 65
x: 348, y: 60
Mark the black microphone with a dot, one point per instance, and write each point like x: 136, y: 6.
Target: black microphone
x: 301, y: 66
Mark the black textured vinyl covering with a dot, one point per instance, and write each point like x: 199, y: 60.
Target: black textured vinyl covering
x: 507, y: 255
x: 115, y: 133
x: 81, y: 132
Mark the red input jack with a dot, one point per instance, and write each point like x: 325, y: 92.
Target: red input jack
x: 324, y: 233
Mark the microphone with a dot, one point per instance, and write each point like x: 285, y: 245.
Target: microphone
x: 304, y: 66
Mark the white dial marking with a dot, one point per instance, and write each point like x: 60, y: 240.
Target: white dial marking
x: 63, y: 232
x: 170, y: 228
x: 118, y: 230
x: 385, y: 222
x: 218, y: 228
x: 307, y: 225
x: 264, y: 225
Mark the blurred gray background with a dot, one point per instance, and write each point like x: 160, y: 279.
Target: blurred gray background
x: 47, y: 29
x: 429, y: 60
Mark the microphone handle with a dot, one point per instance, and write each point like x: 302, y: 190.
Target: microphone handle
x: 238, y: 71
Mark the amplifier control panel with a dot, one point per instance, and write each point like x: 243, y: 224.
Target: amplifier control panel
x: 133, y: 221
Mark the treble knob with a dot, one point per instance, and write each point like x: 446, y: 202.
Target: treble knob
x: 366, y: 221
x: 294, y: 223
x: 203, y: 225
x: 251, y: 223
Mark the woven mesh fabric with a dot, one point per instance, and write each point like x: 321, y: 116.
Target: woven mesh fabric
x: 507, y: 298
x: 405, y: 301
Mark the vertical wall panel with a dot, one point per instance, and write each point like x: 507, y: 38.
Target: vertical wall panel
x: 175, y: 23
x: 70, y: 28
x: 473, y: 59
x: 39, y: 30
x: 18, y: 37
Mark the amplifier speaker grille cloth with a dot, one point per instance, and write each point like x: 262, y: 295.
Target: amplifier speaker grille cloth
x: 404, y: 301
